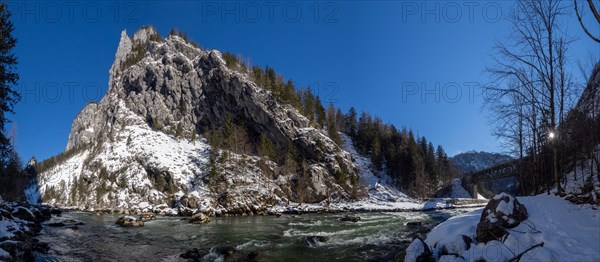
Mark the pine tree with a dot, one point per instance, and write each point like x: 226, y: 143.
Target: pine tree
x: 320, y: 111
x: 13, y: 166
x: 8, y: 77
x: 266, y: 147
x: 332, y: 128
x: 308, y: 104
x: 431, y: 169
x: 179, y: 130
x: 376, y: 156
x: 340, y: 120
x: 212, y: 163
x: 351, y: 122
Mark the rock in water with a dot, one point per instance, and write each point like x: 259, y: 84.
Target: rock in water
x: 414, y: 223
x: 347, y: 218
x: 129, y: 221
x: 193, y: 254
x: 226, y: 251
x: 199, y: 218
x: 147, y: 216
x: 315, y: 240
x: 502, y: 212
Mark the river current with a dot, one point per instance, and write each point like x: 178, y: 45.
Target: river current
x: 309, y: 237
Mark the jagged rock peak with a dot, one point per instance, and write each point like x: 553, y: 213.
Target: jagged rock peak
x: 144, y: 34
x: 163, y: 95
x: 123, y: 50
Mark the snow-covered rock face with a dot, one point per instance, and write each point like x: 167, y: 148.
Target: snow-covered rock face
x: 143, y: 143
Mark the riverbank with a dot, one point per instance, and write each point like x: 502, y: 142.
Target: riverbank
x: 363, y: 206
x: 555, y: 230
x: 20, y: 224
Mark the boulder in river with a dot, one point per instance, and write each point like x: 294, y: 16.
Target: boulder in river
x: 502, y: 212
x: 255, y: 256
x: 199, y: 218
x: 129, y: 221
x: 348, y: 218
x: 414, y: 223
x: 225, y: 251
x: 147, y: 216
x: 315, y: 240
x: 55, y: 211
x: 193, y: 254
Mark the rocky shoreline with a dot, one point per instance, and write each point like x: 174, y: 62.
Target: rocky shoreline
x: 20, y: 223
x: 183, y: 211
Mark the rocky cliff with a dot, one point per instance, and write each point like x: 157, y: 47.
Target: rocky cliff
x: 144, y: 146
x: 589, y: 102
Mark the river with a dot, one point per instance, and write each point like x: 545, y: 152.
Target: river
x: 376, y: 237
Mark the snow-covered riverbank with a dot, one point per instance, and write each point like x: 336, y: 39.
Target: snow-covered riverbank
x: 568, y: 232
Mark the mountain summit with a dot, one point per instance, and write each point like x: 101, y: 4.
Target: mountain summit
x: 147, y: 144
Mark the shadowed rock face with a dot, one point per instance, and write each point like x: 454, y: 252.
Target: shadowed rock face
x: 171, y: 86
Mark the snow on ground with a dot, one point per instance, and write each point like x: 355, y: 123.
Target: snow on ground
x: 7, y: 226
x: 479, y: 196
x: 569, y: 232
x: 378, y: 185
x: 576, y: 179
x: 458, y: 191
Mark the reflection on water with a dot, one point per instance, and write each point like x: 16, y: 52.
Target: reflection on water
x: 377, y: 237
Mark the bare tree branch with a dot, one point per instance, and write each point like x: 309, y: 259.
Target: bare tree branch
x: 594, y: 11
x: 581, y: 21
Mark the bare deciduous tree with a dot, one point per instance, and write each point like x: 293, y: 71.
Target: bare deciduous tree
x: 530, y: 83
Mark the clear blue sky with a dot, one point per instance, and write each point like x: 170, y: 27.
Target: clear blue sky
x: 371, y: 53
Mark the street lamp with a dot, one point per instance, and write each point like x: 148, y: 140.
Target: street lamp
x: 551, y: 135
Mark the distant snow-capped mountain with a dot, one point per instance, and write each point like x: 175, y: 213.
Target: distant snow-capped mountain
x: 473, y: 161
